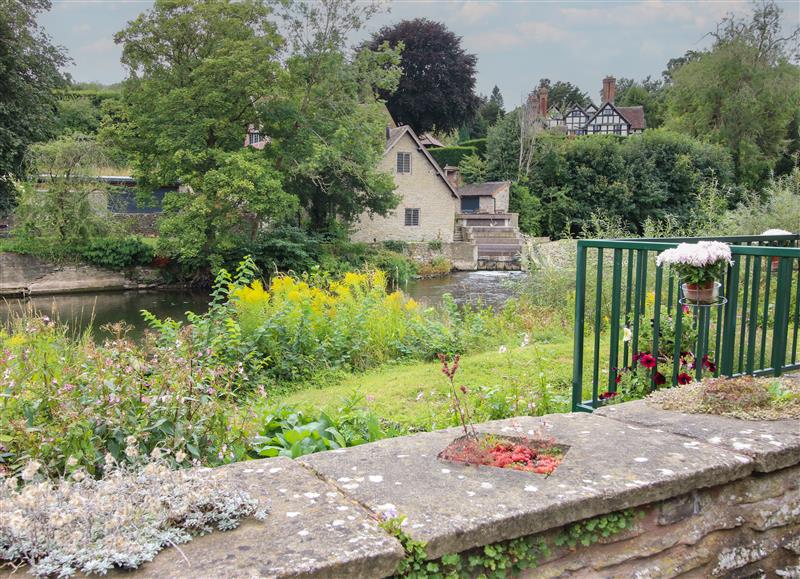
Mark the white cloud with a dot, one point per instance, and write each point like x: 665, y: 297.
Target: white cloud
x: 540, y: 32
x: 475, y: 11
x: 701, y: 15
x: 523, y: 34
x: 82, y: 28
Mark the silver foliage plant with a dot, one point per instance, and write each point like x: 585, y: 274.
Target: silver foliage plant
x: 81, y: 524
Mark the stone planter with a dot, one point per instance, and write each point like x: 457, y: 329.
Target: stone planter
x: 536, y: 456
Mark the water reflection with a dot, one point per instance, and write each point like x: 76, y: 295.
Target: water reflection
x: 79, y: 311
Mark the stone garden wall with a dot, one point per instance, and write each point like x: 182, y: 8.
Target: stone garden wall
x: 22, y: 274
x: 708, y: 497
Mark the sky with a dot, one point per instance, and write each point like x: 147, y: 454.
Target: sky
x: 517, y: 41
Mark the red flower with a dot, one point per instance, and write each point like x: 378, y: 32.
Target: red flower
x: 658, y: 379
x: 618, y: 379
x: 708, y: 364
x: 647, y: 361
x: 607, y: 395
x: 684, y: 378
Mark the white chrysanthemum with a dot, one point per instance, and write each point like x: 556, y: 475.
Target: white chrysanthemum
x: 180, y: 456
x: 502, y: 349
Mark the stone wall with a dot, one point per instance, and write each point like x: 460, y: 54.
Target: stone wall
x: 462, y: 254
x: 423, y: 189
x: 719, y: 498
x: 22, y: 274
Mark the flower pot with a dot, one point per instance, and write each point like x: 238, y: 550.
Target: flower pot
x: 707, y: 293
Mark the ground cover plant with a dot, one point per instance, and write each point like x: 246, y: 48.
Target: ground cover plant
x: 79, y: 524
x: 745, y: 397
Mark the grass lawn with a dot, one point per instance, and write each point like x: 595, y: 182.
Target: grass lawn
x: 415, y: 395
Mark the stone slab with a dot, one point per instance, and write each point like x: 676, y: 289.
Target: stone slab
x: 453, y: 507
x: 772, y: 444
x: 312, y: 530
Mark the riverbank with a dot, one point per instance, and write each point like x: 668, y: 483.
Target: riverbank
x: 29, y: 275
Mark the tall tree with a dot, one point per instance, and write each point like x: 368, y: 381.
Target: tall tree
x: 327, y: 124
x: 490, y: 110
x: 649, y: 93
x: 742, y: 93
x: 196, y: 72
x: 564, y: 94
x: 29, y: 73
x: 436, y: 89
x: 61, y: 207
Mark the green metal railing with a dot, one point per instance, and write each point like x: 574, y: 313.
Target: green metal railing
x: 619, y: 289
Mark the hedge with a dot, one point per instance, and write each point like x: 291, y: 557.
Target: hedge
x: 451, y: 155
x: 479, y: 144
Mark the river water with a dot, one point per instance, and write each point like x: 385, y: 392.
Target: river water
x: 96, y: 310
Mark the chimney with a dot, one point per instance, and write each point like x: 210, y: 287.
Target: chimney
x: 543, y: 101
x: 609, y: 89
x: 453, y: 175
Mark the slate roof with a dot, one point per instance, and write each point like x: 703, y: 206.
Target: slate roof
x: 488, y: 189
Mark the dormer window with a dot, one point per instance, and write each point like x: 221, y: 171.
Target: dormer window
x: 404, y: 162
x: 253, y: 138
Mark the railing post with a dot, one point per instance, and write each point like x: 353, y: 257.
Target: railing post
x: 780, y: 328
x: 729, y: 330
x: 580, y: 311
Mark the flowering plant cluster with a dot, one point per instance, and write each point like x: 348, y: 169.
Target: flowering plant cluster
x: 79, y: 524
x: 297, y: 326
x: 697, y: 263
x: 642, y: 377
x: 67, y: 401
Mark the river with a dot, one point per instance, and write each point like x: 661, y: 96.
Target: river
x: 96, y: 310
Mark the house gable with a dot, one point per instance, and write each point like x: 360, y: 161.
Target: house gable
x: 608, y: 121
x: 428, y: 201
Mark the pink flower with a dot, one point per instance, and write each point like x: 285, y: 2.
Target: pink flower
x: 647, y: 361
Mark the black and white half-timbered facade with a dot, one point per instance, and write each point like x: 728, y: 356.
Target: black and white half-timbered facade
x: 606, y: 119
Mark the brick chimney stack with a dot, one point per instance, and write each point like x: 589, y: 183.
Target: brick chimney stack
x: 543, y: 101
x: 609, y: 89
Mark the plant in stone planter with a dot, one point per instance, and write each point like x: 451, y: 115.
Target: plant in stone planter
x: 538, y: 455
x: 699, y: 266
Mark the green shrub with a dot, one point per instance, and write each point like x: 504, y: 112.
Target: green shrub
x: 396, y: 245
x: 287, y: 431
x: 435, y: 245
x: 285, y: 248
x: 451, y: 155
x: 116, y: 252
x: 479, y: 144
x: 399, y: 268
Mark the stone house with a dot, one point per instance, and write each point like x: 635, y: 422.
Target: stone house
x: 428, y: 200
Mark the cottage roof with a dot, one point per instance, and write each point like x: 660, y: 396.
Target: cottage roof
x: 634, y: 115
x: 430, y: 141
x: 393, y: 136
x: 488, y: 189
